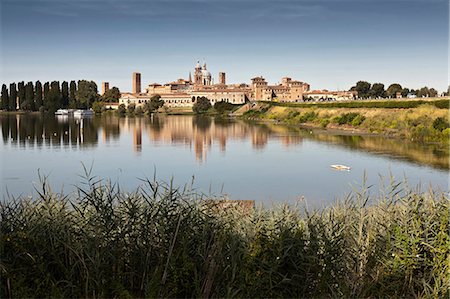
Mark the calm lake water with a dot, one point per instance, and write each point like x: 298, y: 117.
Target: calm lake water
x: 265, y: 162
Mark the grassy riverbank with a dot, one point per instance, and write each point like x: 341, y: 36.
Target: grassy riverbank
x: 421, y: 123
x: 161, y: 241
x: 441, y: 103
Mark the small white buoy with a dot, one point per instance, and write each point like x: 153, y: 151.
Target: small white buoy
x: 340, y: 167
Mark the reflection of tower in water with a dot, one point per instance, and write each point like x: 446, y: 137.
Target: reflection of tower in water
x: 291, y: 140
x: 137, y: 135
x: 223, y: 142
x: 202, y: 142
x: 198, y: 148
x: 259, y: 139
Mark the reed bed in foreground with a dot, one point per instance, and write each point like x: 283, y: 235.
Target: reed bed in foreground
x: 162, y: 241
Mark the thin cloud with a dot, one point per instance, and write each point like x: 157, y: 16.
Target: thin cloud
x: 187, y: 9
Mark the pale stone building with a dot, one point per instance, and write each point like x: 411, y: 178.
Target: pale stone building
x: 288, y: 91
x: 233, y: 96
x: 185, y: 92
x: 133, y: 98
x: 177, y: 100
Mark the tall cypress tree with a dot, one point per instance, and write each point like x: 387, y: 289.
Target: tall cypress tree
x: 21, y: 93
x: 29, y: 97
x: 53, y: 101
x: 5, y: 98
x: 38, y: 96
x: 72, y: 94
x: 12, y: 97
x: 65, y: 94
x: 46, y: 93
x: 55, y: 88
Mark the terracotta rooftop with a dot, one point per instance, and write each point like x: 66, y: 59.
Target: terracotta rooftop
x: 220, y: 90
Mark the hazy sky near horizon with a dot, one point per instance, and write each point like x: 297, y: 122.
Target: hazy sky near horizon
x: 328, y: 43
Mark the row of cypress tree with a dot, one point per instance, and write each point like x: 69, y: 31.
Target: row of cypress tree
x: 48, y: 97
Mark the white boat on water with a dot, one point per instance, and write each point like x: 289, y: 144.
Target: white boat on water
x: 79, y: 113
x: 340, y: 167
x: 62, y: 112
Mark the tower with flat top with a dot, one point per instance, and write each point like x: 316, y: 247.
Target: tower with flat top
x: 136, y: 82
x: 105, y: 87
x: 222, y: 78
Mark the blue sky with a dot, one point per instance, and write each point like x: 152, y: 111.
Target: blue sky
x: 328, y: 43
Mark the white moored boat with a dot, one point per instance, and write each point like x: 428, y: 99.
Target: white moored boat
x: 62, y: 112
x: 340, y: 167
x: 80, y: 112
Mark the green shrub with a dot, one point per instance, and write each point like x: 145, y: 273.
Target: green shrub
x: 358, y: 120
x: 324, y: 122
x: 335, y: 119
x: 153, y: 105
x: 424, y: 120
x: 307, y: 117
x: 420, y: 133
x: 201, y: 105
x: 224, y: 107
x: 252, y: 114
x: 347, y: 118
x: 139, y: 110
x: 292, y: 114
x: 440, y: 124
x: 442, y: 104
x: 97, y: 107
x: 131, y: 108
x: 121, y: 109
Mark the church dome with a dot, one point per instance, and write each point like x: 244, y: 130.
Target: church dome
x: 206, y: 73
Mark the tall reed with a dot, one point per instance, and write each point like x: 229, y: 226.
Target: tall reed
x: 165, y: 241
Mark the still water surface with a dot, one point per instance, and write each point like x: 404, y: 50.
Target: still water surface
x: 265, y: 162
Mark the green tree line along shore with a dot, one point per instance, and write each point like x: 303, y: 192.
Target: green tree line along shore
x: 377, y: 90
x: 52, y: 96
x: 162, y: 241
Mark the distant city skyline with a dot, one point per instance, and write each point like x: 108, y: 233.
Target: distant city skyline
x: 330, y: 44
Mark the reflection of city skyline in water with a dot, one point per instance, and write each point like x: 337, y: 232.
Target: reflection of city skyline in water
x: 196, y: 133
x: 252, y: 160
x: 199, y: 133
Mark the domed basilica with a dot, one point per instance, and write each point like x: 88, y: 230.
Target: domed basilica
x: 201, y: 75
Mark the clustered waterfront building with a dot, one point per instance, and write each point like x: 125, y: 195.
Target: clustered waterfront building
x: 185, y: 92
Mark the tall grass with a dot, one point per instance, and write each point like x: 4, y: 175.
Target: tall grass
x: 423, y: 124
x: 163, y: 241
